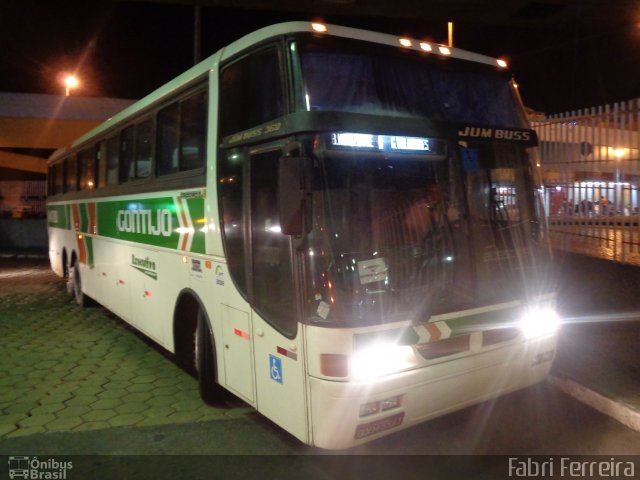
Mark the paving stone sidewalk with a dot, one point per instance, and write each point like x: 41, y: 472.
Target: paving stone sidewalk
x: 63, y: 368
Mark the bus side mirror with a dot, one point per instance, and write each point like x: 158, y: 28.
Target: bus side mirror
x: 292, y: 195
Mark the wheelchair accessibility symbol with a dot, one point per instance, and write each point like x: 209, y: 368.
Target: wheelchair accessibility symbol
x: 275, y: 368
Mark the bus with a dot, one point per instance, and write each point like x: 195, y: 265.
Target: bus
x: 340, y: 227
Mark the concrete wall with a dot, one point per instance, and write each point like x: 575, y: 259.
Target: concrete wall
x: 23, y: 234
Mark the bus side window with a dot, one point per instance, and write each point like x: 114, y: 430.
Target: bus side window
x: 101, y: 159
x: 168, y: 139
x: 144, y: 150
x: 113, y: 148
x: 71, y: 174
x: 251, y: 91
x: 126, y: 160
x: 50, y: 180
x: 193, y: 131
x: 58, y: 180
x: 87, y: 168
x: 182, y: 135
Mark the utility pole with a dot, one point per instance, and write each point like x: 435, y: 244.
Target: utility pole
x: 197, y: 27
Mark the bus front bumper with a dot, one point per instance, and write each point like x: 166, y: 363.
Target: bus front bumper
x: 346, y: 414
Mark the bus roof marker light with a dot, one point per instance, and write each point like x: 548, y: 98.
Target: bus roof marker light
x: 319, y: 27
x: 501, y: 63
x: 426, y: 47
x: 405, y: 42
x: 444, y: 50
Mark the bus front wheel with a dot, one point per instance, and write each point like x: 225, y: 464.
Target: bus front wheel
x: 205, y: 359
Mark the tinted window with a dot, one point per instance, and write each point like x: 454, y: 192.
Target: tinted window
x: 127, y: 164
x: 71, y: 174
x: 182, y: 135
x: 193, y: 131
x: 349, y: 77
x: 113, y: 148
x: 230, y: 189
x: 144, y: 151
x: 168, y: 139
x: 50, y: 174
x: 101, y: 168
x: 86, y: 164
x: 251, y: 91
x: 56, y: 179
x: 273, y: 288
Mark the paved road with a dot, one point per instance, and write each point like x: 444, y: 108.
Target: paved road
x: 68, y: 369
x: 56, y: 354
x: 609, y: 242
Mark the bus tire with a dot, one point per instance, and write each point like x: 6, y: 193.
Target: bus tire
x: 205, y: 359
x: 70, y: 288
x: 67, y: 274
x: 74, y: 278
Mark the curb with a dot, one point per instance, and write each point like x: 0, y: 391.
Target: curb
x: 621, y: 412
x: 24, y: 255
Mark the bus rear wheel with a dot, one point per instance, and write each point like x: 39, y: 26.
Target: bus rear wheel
x: 66, y: 274
x: 76, y: 281
x: 205, y: 361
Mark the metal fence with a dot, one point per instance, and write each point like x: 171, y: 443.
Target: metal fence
x: 591, y: 169
x: 23, y: 199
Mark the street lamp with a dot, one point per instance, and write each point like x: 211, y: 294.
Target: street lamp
x: 70, y: 81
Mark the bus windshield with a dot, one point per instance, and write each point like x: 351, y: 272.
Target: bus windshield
x: 397, y: 82
x: 397, y: 239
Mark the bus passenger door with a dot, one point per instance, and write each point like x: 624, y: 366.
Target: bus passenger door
x: 277, y: 334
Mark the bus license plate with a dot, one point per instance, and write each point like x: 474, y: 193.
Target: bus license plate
x: 378, y: 426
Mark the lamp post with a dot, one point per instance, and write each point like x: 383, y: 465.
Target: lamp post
x: 70, y: 82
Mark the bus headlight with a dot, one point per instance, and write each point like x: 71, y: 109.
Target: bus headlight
x: 539, y: 322
x: 381, y: 359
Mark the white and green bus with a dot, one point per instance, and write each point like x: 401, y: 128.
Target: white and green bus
x: 340, y: 227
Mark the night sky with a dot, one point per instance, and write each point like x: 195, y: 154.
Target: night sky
x: 127, y: 49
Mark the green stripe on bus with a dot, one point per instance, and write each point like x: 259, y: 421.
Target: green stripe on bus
x: 89, y: 242
x: 484, y: 321
x: 398, y: 336
x: 151, y: 221
x: 196, y: 208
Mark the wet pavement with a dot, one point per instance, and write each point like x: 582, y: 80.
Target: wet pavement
x: 619, y: 243
x: 599, y: 345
